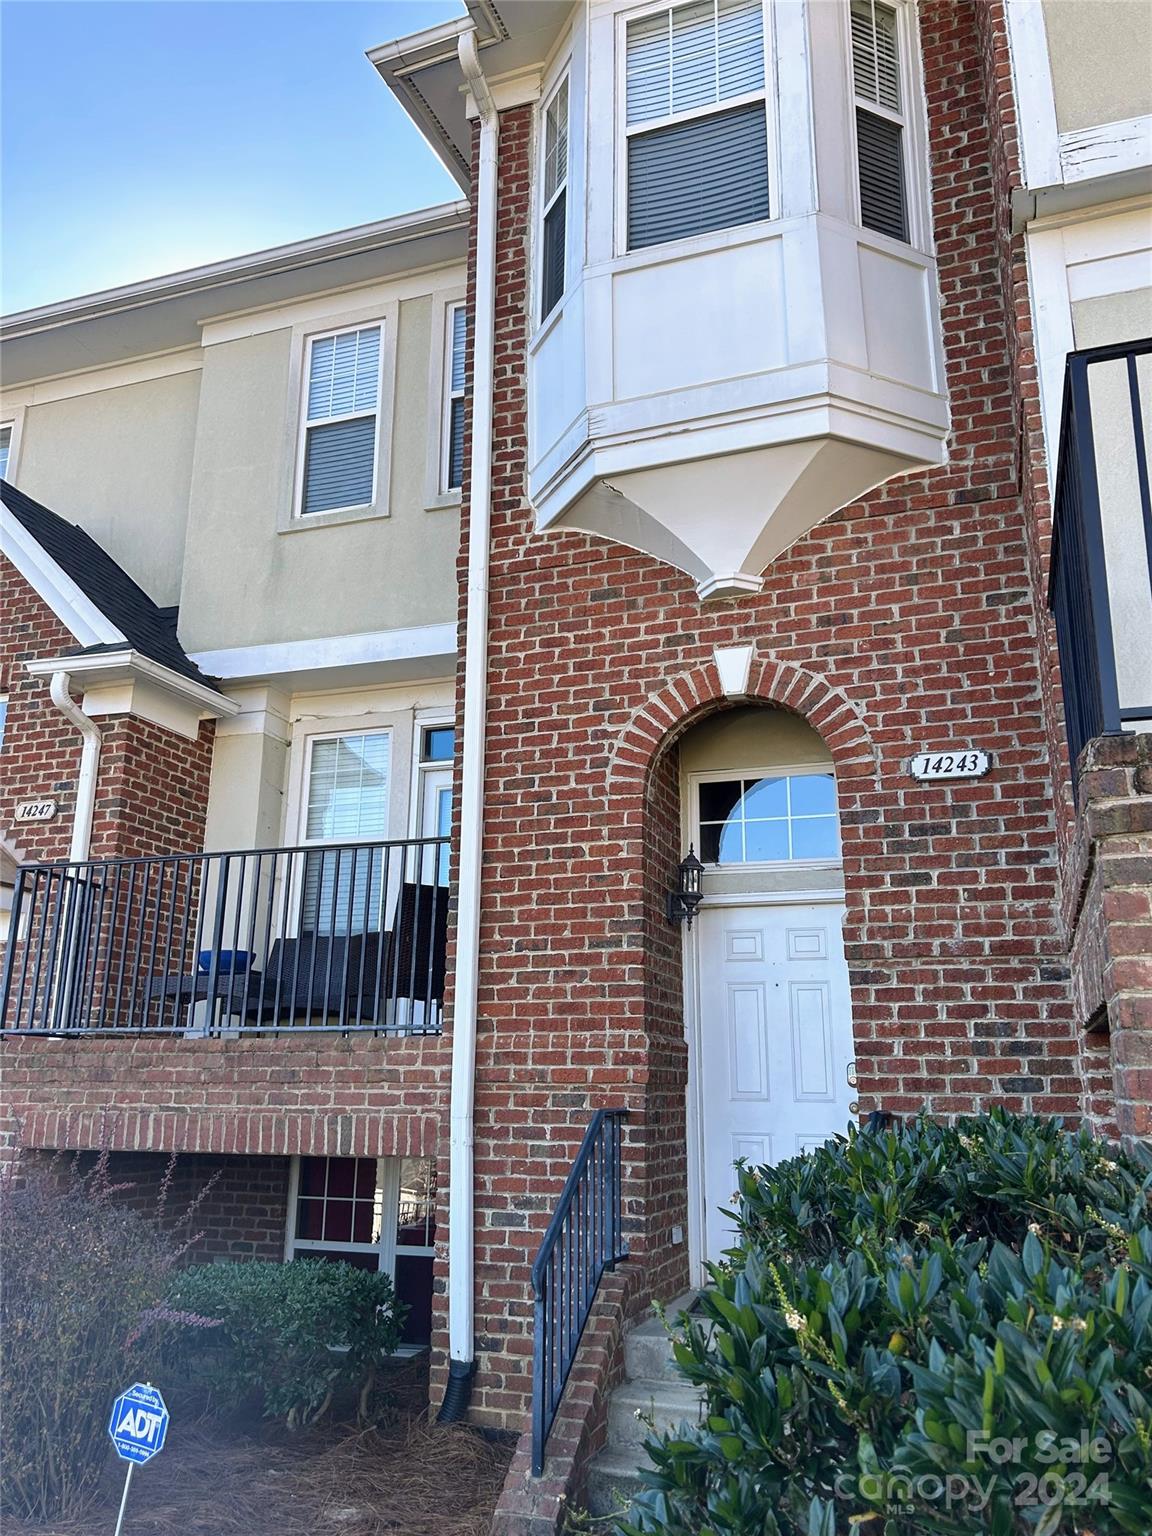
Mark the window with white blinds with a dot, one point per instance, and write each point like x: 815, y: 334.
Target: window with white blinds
x: 879, y: 99
x: 695, y: 120
x: 5, y: 449
x: 554, y: 230
x: 346, y: 802
x: 454, y: 344
x: 342, y: 401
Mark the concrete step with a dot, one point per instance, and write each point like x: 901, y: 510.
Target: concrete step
x: 648, y: 1349
x: 635, y: 1403
x: 610, y: 1482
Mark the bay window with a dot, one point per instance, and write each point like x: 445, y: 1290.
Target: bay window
x: 880, y: 125
x: 696, y: 120
x: 554, y: 228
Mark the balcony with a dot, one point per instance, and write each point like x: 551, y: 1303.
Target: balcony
x: 1100, y: 587
x: 345, y: 939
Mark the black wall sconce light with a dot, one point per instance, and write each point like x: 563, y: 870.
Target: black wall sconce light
x: 683, y: 901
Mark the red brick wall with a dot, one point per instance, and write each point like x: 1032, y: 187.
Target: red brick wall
x: 908, y: 615
x: 152, y: 792
x: 309, y: 1093
x: 223, y: 1207
x: 1108, y: 910
x: 153, y: 789
x: 41, y: 751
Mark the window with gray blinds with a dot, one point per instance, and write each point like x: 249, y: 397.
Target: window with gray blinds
x: 554, y: 232
x: 696, y: 120
x: 879, y: 118
x: 342, y: 399
x: 457, y: 338
x: 348, y: 781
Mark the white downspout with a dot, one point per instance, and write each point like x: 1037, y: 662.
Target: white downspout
x: 59, y: 688
x: 461, y: 1236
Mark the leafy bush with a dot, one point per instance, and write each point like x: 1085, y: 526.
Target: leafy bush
x: 295, y: 1334
x: 938, y: 1329
x: 81, y: 1317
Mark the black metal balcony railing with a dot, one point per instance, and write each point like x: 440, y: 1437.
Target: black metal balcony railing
x: 342, y: 938
x: 584, y: 1238
x: 1086, y: 574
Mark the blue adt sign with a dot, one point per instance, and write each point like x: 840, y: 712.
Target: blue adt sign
x: 138, y: 1424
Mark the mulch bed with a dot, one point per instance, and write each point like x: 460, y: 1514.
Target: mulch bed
x: 406, y: 1477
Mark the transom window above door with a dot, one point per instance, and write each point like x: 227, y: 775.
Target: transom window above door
x: 769, y: 820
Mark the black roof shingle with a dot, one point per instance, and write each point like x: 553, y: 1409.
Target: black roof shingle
x: 149, y: 629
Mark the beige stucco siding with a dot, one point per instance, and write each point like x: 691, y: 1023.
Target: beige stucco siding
x: 119, y: 463
x: 1100, y: 52
x: 247, y: 582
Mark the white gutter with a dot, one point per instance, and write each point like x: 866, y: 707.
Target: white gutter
x: 461, y: 1235
x: 89, y: 765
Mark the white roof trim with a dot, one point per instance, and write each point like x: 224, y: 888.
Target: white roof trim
x: 73, y: 607
x: 278, y: 258
x: 427, y: 640
x: 110, y: 667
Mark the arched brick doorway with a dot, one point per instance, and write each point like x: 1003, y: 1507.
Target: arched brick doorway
x: 787, y: 1047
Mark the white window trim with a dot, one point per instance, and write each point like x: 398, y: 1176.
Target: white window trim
x: 386, y: 316
x: 561, y: 69
x: 425, y: 719
x: 388, y: 1178
x: 912, y: 121
x: 768, y: 95
x: 14, y: 418
x: 436, y: 494
x: 398, y: 723
x: 776, y: 771
x: 387, y: 1249
x: 561, y: 76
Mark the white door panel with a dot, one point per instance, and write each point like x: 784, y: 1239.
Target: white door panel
x: 775, y: 1042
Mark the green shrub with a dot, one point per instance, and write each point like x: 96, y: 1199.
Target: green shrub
x: 295, y: 1334
x: 81, y: 1318
x: 941, y: 1329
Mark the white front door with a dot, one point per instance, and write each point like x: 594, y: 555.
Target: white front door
x: 774, y: 1042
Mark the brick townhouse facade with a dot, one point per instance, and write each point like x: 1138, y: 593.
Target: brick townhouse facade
x: 868, y: 939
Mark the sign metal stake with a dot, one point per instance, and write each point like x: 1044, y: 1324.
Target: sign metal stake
x: 124, y: 1499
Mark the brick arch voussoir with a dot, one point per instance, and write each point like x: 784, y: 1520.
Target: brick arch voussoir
x: 659, y: 722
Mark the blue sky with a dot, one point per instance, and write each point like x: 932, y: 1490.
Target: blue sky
x: 143, y: 136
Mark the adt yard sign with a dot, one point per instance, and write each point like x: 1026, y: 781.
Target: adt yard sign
x: 138, y: 1424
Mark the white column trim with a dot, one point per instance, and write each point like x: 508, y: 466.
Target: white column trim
x: 1035, y: 100
x: 1106, y: 149
x: 1052, y: 325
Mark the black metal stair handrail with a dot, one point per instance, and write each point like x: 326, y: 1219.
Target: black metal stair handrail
x: 584, y: 1238
x: 1079, y: 591
x: 344, y: 937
